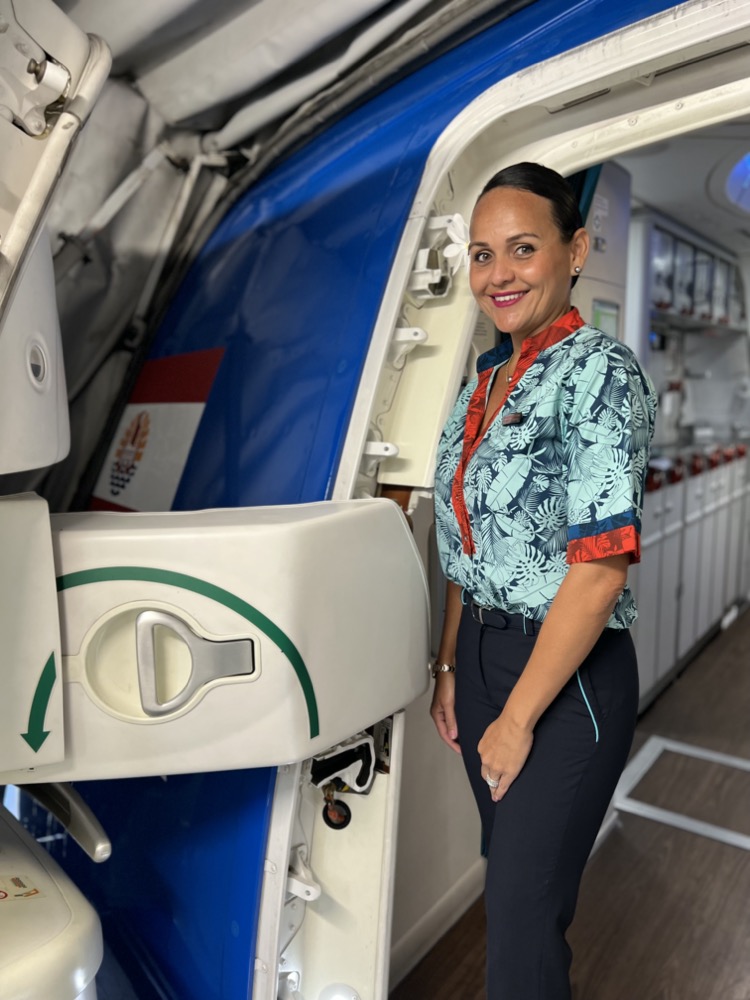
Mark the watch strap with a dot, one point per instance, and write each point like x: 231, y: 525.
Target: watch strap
x: 443, y: 668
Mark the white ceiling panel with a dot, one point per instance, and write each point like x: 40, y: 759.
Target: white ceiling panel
x: 188, y: 57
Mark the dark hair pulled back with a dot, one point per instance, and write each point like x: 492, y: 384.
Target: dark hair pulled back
x: 546, y: 183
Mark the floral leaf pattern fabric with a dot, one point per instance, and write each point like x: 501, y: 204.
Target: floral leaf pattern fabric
x: 563, y: 485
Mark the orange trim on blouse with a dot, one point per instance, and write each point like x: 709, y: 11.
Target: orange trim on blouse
x: 610, y: 543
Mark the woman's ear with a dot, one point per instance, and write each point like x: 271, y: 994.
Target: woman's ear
x: 579, y: 249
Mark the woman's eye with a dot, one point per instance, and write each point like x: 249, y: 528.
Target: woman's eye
x: 480, y: 256
x: 524, y: 250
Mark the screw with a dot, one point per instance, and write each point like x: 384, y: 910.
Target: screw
x: 36, y: 69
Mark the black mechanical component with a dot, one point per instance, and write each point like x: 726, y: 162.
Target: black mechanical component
x: 336, y: 813
x: 359, y: 757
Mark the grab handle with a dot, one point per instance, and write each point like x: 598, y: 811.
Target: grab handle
x: 209, y: 660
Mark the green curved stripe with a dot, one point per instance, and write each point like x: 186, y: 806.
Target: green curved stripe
x: 221, y: 596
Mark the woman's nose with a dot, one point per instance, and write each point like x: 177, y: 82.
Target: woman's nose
x: 501, y: 272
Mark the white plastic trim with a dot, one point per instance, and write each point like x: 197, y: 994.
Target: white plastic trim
x: 285, y: 804
x: 390, y: 826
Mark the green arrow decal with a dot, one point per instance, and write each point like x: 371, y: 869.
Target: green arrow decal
x: 36, y: 734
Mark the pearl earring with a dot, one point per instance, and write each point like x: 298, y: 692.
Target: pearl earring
x: 577, y: 270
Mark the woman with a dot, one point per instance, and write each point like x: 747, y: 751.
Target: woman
x: 538, y: 502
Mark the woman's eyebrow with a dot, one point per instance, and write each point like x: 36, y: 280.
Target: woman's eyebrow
x: 511, y: 239
x: 522, y: 236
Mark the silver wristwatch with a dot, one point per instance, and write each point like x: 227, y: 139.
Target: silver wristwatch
x: 442, y: 668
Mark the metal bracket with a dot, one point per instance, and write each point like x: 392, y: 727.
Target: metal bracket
x: 29, y: 80
x: 405, y: 339
x: 380, y: 449
x: 289, y: 984
x: 300, y: 880
x: 373, y: 453
x: 431, y: 277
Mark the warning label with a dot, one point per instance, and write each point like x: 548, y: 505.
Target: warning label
x: 17, y: 887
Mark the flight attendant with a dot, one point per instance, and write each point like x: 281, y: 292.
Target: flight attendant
x: 538, y: 497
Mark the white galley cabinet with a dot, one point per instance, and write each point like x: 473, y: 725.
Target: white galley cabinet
x: 737, y: 551
x: 688, y: 631
x: 656, y: 583
x: 715, y: 543
x: 712, y: 588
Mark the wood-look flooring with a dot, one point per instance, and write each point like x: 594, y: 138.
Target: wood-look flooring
x: 662, y: 914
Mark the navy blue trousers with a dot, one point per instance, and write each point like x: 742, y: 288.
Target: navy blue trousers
x: 539, y: 836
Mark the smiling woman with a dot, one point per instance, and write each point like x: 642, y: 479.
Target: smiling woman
x: 524, y: 257
x: 538, y: 496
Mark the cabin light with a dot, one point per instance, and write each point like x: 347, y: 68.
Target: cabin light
x: 738, y: 184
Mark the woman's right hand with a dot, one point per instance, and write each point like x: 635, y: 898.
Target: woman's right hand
x: 442, y: 709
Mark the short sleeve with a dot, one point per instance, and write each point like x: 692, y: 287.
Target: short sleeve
x: 610, y: 407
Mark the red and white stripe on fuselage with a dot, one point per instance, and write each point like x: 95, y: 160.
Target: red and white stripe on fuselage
x: 148, y: 453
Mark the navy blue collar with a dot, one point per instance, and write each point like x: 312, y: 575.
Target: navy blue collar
x: 559, y: 330
x: 497, y: 356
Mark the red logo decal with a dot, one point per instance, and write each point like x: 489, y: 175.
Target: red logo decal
x: 129, y: 453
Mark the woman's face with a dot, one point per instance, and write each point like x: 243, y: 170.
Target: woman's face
x: 520, y: 269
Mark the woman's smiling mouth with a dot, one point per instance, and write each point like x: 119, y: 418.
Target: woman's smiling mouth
x: 508, y: 299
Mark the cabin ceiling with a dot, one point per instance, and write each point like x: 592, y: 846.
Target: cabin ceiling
x: 231, y: 68
x: 195, y: 61
x: 685, y: 178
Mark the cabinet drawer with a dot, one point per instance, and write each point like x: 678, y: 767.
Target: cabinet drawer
x: 674, y: 502
x: 695, y: 493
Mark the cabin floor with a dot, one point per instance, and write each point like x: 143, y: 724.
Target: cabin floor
x: 663, y: 912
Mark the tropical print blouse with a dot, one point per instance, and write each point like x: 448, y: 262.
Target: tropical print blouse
x: 558, y: 475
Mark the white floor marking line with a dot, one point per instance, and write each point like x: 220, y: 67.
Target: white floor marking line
x: 645, y: 759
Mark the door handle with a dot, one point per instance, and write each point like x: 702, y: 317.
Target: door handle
x: 209, y: 660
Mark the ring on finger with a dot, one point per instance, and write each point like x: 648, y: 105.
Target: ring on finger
x: 492, y: 782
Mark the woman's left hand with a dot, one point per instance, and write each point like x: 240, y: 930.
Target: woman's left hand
x: 503, y: 750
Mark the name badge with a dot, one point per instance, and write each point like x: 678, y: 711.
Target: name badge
x: 512, y: 418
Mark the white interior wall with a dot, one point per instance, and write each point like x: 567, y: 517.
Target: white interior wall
x: 716, y: 369
x: 439, y: 868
